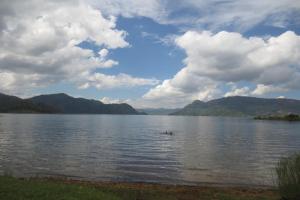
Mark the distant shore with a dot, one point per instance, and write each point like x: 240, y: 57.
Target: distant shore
x: 290, y: 117
x: 37, y: 188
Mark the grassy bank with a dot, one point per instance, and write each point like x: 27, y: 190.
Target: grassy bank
x: 36, y: 189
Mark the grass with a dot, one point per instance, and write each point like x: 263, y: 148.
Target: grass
x: 288, y: 174
x: 36, y: 189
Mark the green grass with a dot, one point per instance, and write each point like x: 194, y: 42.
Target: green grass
x: 42, y: 189
x: 288, y: 174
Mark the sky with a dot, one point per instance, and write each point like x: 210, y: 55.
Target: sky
x: 150, y: 53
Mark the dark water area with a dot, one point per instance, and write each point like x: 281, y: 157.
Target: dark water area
x: 212, y: 150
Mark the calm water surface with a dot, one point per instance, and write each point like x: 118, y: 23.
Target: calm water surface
x: 130, y: 148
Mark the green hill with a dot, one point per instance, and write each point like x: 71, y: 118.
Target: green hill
x: 71, y: 105
x: 12, y: 104
x: 61, y: 103
x: 241, y: 106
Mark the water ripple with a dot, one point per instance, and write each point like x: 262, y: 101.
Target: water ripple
x: 131, y: 148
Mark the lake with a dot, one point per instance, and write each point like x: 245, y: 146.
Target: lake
x: 126, y: 148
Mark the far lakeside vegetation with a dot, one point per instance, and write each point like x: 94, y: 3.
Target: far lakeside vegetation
x: 289, y: 117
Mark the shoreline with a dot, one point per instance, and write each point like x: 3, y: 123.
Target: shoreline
x: 81, y: 180
x: 152, y: 184
x: 51, y: 187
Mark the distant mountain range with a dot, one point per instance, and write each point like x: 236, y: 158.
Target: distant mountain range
x: 241, y: 106
x: 158, y: 111
x: 229, y: 106
x: 12, y: 104
x: 61, y: 103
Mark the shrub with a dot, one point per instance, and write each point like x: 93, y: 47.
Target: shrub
x: 288, y: 177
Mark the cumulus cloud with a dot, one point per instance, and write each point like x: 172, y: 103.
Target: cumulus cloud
x: 108, y: 100
x: 244, y: 91
x: 39, y: 43
x: 40, y: 46
x: 243, y: 15
x: 15, y: 82
x: 102, y: 81
x: 136, y: 103
x: 132, y: 8
x: 214, y: 14
x: 213, y: 60
x: 259, y: 90
x: 183, y: 88
x: 265, y: 89
x: 281, y: 97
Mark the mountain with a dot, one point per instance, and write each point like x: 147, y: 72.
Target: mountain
x: 61, y: 103
x: 70, y: 105
x: 12, y: 104
x: 241, y: 106
x: 158, y: 111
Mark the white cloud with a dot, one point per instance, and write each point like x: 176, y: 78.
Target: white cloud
x: 136, y: 103
x: 244, y: 91
x: 260, y: 90
x: 108, y: 100
x: 213, y: 60
x: 106, y: 63
x: 265, y: 89
x: 214, y: 14
x: 18, y: 83
x: 242, y: 15
x: 39, y: 43
x: 281, y: 97
x: 102, y: 81
x: 182, y: 88
x: 132, y: 8
x: 103, y: 53
x: 39, y: 46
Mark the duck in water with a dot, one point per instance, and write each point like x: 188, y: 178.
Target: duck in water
x: 167, y: 133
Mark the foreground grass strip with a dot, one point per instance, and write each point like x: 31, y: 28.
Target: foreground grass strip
x: 288, y: 172
x: 36, y: 189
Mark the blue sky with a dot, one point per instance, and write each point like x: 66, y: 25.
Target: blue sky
x: 151, y: 53
x: 147, y: 56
